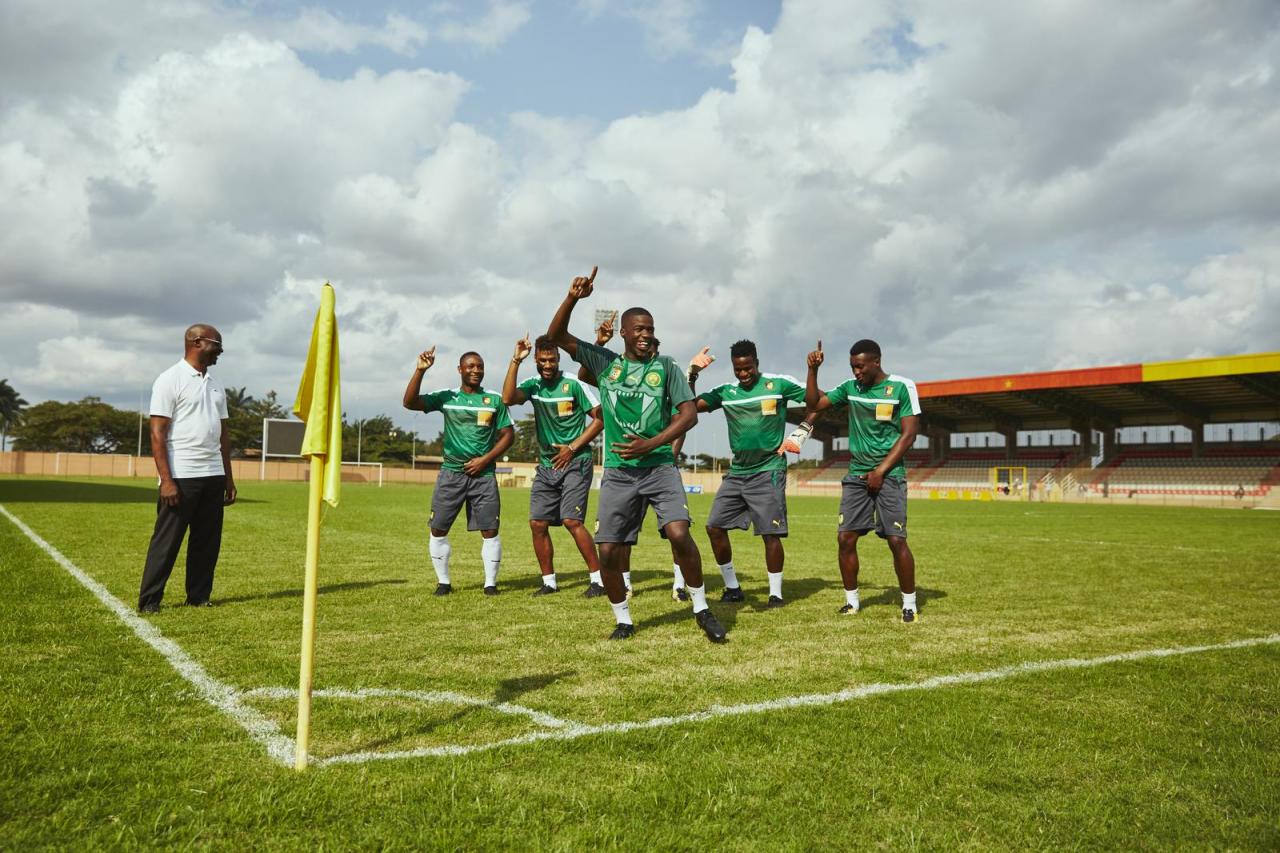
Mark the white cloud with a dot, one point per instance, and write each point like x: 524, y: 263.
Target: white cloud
x: 501, y: 20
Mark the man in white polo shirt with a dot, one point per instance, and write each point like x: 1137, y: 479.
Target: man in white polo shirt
x: 190, y: 445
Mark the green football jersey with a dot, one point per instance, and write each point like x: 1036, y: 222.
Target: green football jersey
x: 757, y: 419
x: 471, y: 423
x: 875, y: 419
x: 637, y: 398
x: 559, y: 412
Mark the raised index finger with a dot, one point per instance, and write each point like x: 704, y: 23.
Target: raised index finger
x: 819, y: 344
x: 592, y: 277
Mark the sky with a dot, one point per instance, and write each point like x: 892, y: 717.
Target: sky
x: 982, y: 187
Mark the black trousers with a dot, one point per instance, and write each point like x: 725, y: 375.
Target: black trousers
x: 200, y: 510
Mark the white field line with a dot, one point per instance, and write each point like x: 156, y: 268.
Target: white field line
x: 575, y: 731
x: 442, y: 696
x: 224, y: 697
x: 281, y: 748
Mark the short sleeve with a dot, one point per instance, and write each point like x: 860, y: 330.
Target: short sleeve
x: 839, y: 395
x: 909, y: 399
x: 222, y: 405
x: 433, y: 401
x: 677, y: 386
x: 529, y: 386
x: 712, y: 398
x: 594, y: 358
x: 792, y: 391
x: 586, y: 397
x: 163, y: 400
x: 503, y: 417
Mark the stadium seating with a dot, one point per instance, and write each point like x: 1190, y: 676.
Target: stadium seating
x: 1244, y: 471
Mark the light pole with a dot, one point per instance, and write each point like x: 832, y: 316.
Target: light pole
x: 359, y: 438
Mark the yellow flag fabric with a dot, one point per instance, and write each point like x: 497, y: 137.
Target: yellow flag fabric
x: 319, y: 401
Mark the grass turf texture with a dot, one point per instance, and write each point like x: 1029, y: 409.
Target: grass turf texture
x: 105, y: 745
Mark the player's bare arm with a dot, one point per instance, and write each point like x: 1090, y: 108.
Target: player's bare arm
x: 475, y: 467
x: 812, y: 393
x: 635, y: 446
x: 160, y: 454
x: 581, y: 287
x: 412, y: 393
x: 229, y: 487
x: 511, y: 395
x: 566, y: 452
x: 910, y: 429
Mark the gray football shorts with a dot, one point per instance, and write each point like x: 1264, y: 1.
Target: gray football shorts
x: 560, y: 495
x: 479, y: 494
x: 759, y: 499
x: 884, y: 512
x: 625, y: 493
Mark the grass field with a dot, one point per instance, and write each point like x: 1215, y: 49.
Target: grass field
x: 106, y: 745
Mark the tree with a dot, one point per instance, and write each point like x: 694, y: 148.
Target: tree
x: 89, y: 426
x: 11, y: 406
x: 244, y: 417
x: 525, y: 446
x: 378, y: 439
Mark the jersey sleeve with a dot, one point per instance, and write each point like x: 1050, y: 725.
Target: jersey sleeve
x: 792, y: 391
x: 594, y: 358
x: 432, y: 401
x: 163, y: 400
x: 677, y: 386
x: 502, y: 418
x: 909, y: 397
x: 528, y: 386
x: 585, y: 396
x: 712, y: 398
x: 839, y: 395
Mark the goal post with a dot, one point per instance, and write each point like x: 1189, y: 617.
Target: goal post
x: 1010, y: 481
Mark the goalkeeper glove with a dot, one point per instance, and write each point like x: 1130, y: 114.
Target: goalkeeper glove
x: 797, y: 438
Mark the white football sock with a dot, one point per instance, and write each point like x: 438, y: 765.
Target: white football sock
x: 549, y: 580
x: 775, y: 584
x: 678, y: 580
x: 699, y: 596
x: 595, y: 579
x: 851, y: 596
x: 626, y: 579
x: 730, y: 576
x: 908, y: 601
x: 491, y: 553
x: 438, y: 548
x: 622, y: 612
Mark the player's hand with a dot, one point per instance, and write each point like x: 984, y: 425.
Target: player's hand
x: 700, y: 361
x: 474, y: 467
x: 634, y: 447
x: 169, y: 493
x: 229, y: 496
x: 815, y: 357
x: 874, y: 481
x: 604, y: 334
x: 793, y: 442
x: 583, y: 285
x: 564, y: 455
x: 426, y: 358
x: 523, y: 348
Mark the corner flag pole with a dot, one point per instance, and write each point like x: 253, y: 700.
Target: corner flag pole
x: 319, y: 404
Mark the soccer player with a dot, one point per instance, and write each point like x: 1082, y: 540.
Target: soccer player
x: 884, y: 419
x: 755, y: 489
x: 477, y: 430
x: 561, y: 406
x: 638, y: 391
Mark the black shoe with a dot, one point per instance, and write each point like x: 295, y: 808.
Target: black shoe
x: 732, y: 593
x: 443, y: 589
x: 908, y: 615
x: 205, y: 603
x: 623, y: 632
x: 679, y: 594
x: 595, y: 590
x: 149, y: 608
x: 546, y: 590
x: 490, y: 590
x: 775, y: 601
x: 710, y: 625
x: 848, y: 610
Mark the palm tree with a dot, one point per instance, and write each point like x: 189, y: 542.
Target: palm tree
x: 11, y: 406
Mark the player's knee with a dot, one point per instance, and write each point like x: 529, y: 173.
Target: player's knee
x: 539, y: 525
x: 897, y: 544
x: 572, y: 525
x: 847, y: 538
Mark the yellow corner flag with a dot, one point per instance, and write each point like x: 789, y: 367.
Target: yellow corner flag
x: 319, y: 400
x: 319, y: 403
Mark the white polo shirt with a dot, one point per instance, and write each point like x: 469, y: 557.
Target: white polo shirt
x: 196, y: 405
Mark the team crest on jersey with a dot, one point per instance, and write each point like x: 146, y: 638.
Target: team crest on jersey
x: 565, y: 388
x: 768, y: 386
x: 653, y: 380
x: 888, y: 390
x: 615, y: 373
x: 486, y: 401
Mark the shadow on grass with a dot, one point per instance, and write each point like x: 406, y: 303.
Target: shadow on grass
x: 297, y: 593
x: 890, y: 595
x: 74, y: 491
